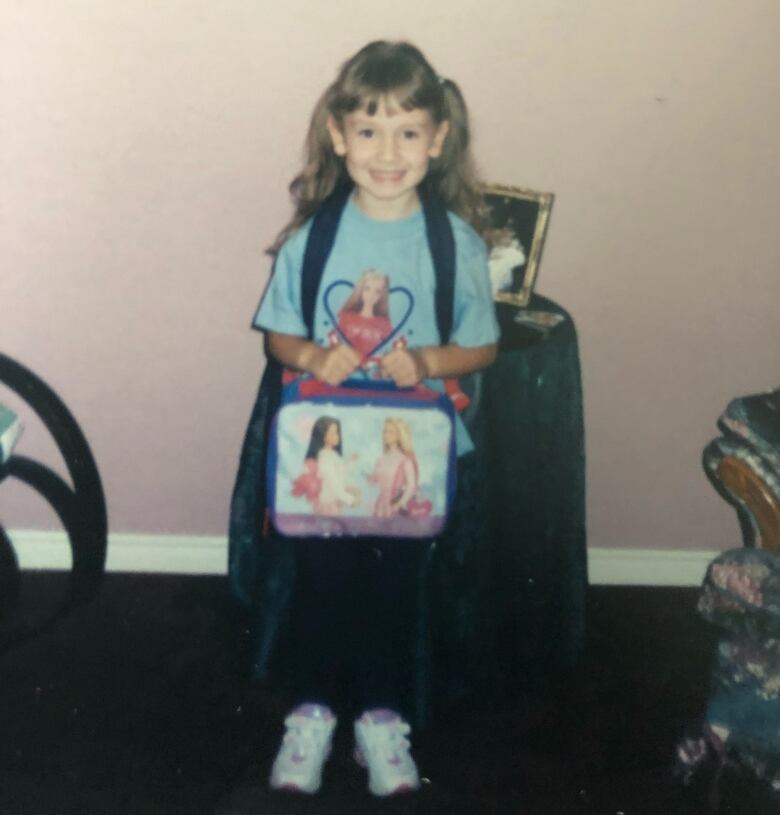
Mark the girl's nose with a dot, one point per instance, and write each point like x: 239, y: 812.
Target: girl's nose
x: 387, y: 149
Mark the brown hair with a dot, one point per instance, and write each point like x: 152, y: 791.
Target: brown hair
x: 400, y: 70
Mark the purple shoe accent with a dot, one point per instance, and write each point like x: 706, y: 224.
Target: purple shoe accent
x: 382, y: 715
x: 313, y: 711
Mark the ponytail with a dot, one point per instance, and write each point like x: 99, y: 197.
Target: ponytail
x: 452, y: 176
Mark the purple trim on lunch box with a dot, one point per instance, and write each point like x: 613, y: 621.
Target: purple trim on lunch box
x: 303, y: 525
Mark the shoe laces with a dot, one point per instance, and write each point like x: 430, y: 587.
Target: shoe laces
x: 304, y: 738
x: 389, y: 741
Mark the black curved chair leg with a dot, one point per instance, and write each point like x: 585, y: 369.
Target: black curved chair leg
x: 9, y: 576
x: 81, y: 507
x: 87, y: 568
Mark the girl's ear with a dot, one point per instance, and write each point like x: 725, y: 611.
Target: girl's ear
x: 434, y: 151
x: 336, y: 137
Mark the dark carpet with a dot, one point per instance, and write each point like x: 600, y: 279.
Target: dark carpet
x: 133, y: 704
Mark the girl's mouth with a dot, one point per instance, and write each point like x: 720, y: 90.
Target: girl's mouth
x: 387, y: 177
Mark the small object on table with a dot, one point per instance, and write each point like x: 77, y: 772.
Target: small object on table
x: 542, y: 321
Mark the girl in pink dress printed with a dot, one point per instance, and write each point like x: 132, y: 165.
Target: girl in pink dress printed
x: 396, y: 469
x: 325, y: 480
x: 364, y: 319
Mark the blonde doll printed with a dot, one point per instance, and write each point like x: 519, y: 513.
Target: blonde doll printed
x: 364, y: 319
x: 396, y: 472
x: 325, y: 480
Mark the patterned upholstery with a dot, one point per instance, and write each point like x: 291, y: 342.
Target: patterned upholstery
x: 741, y: 596
x: 755, y: 420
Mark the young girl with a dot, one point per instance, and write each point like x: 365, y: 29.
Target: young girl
x: 391, y: 128
x: 396, y: 470
x: 325, y: 465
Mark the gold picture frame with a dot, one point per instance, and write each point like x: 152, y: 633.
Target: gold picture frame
x: 517, y: 227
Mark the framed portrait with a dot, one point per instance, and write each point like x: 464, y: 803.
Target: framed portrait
x: 517, y: 226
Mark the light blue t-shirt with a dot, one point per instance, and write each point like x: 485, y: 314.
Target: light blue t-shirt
x: 378, y: 290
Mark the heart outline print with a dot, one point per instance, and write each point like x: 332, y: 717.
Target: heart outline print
x: 396, y: 290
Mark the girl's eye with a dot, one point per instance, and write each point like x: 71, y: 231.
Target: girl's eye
x: 365, y: 133
x: 411, y: 134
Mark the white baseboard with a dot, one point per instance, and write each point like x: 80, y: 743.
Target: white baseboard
x: 647, y: 567
x: 207, y: 555
x: 161, y: 554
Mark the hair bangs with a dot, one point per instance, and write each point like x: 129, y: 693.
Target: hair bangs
x: 393, y: 78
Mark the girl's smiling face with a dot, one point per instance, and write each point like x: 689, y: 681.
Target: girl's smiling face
x: 331, y: 437
x: 387, y: 155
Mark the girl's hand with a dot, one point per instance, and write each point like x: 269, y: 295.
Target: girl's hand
x: 330, y: 365
x: 406, y: 368
x: 333, y: 365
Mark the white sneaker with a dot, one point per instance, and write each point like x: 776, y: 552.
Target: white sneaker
x: 305, y: 749
x: 382, y: 747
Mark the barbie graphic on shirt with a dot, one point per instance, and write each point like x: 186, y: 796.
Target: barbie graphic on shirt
x: 325, y: 480
x: 364, y: 319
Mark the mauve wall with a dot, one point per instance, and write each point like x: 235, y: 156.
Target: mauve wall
x: 144, y: 155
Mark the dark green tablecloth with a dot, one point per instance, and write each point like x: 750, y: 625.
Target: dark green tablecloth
x: 528, y: 427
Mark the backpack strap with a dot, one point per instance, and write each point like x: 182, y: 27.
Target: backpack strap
x: 441, y: 242
x: 322, y: 236
x: 318, y: 246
